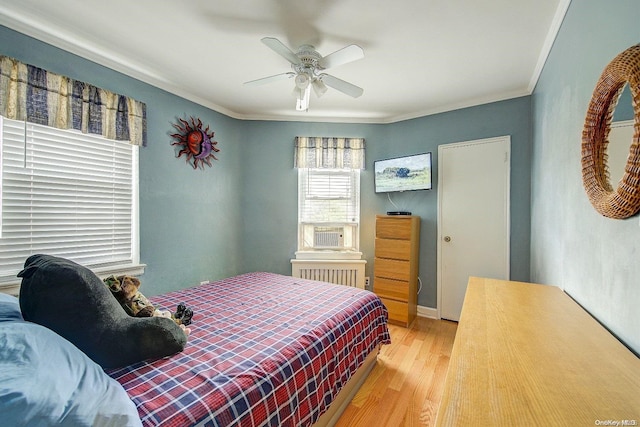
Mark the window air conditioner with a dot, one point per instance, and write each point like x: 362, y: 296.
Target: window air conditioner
x: 328, y: 237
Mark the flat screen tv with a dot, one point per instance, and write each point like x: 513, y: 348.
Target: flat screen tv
x: 406, y: 173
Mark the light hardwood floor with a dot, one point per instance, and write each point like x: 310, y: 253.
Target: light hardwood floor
x: 405, y: 386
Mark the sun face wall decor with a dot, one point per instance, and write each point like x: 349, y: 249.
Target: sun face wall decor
x: 197, y: 144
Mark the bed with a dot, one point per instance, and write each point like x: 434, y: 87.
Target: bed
x: 264, y: 349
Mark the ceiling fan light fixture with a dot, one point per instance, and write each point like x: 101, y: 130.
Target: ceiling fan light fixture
x: 319, y: 87
x: 302, y: 81
x: 302, y: 102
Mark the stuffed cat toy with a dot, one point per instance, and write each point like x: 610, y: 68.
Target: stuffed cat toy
x: 126, y: 289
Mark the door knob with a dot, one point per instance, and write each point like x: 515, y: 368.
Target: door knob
x: 447, y: 239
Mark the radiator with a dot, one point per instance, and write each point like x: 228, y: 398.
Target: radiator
x: 340, y: 272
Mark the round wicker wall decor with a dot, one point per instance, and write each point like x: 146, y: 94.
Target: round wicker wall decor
x: 624, y: 201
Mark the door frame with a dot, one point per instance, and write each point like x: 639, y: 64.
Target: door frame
x: 507, y: 260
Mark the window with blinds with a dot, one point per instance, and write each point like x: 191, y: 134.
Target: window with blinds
x: 328, y: 209
x: 67, y: 194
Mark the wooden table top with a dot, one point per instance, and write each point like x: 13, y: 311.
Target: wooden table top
x: 527, y: 354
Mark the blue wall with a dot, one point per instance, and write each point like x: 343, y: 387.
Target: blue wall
x: 270, y: 193
x: 240, y: 215
x: 190, y: 220
x: 593, y: 258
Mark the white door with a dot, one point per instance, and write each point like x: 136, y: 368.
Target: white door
x: 473, y: 217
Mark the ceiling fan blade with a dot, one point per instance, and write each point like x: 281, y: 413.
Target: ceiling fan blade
x: 346, y: 54
x: 341, y: 85
x: 270, y: 79
x: 278, y: 47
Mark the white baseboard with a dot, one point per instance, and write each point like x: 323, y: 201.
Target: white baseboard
x: 431, y: 313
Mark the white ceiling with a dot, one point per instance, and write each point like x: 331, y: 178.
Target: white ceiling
x: 421, y: 56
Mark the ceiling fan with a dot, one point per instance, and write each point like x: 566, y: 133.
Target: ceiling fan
x: 308, y: 66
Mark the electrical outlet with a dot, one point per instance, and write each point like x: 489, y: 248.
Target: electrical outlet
x: 367, y: 282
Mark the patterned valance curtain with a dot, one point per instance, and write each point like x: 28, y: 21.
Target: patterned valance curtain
x: 38, y: 96
x: 335, y: 153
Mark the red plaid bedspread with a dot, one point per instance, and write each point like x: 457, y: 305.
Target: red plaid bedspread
x: 264, y: 350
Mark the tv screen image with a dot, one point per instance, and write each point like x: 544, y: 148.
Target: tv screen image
x: 406, y: 173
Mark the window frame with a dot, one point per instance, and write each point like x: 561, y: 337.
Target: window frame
x: 350, y: 221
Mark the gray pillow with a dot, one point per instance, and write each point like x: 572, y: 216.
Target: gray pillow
x: 72, y: 301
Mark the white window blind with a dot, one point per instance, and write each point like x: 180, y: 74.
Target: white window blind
x: 329, y: 195
x: 67, y: 194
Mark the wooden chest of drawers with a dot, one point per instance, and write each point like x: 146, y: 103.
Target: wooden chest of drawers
x: 395, y: 268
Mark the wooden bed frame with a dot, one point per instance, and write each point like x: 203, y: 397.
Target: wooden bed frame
x: 347, y: 393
